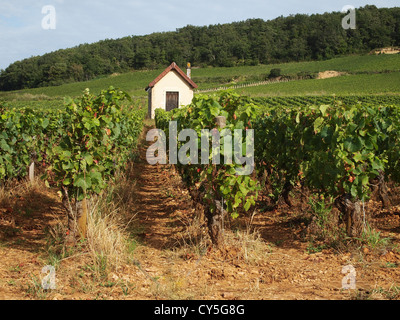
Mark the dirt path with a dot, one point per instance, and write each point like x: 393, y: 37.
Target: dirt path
x: 23, y: 224
x: 158, y: 198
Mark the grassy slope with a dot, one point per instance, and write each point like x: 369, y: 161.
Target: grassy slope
x: 385, y: 83
x: 132, y: 82
x: 366, y: 63
x: 356, y: 83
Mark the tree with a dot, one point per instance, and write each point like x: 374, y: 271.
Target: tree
x: 275, y: 73
x: 294, y: 38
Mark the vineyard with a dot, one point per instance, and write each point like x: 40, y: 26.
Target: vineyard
x: 79, y: 148
x: 340, y: 152
x: 297, y: 101
x: 324, y: 182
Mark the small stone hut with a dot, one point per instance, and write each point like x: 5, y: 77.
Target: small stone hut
x: 170, y: 90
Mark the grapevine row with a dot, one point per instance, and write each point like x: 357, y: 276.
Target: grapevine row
x: 298, y: 101
x: 216, y: 187
x: 28, y: 135
x: 338, y: 150
x: 81, y: 147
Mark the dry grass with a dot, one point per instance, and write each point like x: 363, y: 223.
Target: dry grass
x: 194, y: 239
x: 250, y: 246
x: 244, y: 244
x: 107, y: 244
x: 109, y: 218
x: 4, y: 197
x: 107, y: 239
x: 24, y: 188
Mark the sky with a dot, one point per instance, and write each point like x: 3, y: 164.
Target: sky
x: 35, y: 27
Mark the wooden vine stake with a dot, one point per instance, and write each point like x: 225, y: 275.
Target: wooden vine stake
x: 31, y: 169
x: 82, y: 220
x: 32, y: 172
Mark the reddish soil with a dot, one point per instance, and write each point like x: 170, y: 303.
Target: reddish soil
x: 173, y: 258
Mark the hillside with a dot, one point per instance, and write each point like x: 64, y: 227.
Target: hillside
x: 365, y: 74
x: 246, y: 43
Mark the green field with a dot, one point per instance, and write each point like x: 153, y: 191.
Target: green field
x: 351, y: 64
x: 385, y: 83
x: 368, y: 74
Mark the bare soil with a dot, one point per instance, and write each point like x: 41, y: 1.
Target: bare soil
x: 388, y: 50
x: 329, y: 74
x: 172, y: 258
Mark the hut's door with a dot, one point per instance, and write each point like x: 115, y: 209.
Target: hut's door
x: 172, y: 101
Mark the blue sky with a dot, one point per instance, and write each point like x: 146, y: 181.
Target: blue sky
x: 87, y: 21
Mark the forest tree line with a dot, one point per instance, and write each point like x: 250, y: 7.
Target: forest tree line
x: 297, y: 37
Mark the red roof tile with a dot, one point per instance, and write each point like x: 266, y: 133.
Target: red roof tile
x: 175, y: 67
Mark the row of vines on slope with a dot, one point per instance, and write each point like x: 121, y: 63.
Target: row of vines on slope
x: 81, y: 147
x: 301, y: 101
x: 338, y: 151
x: 25, y: 135
x: 217, y: 187
x: 333, y: 150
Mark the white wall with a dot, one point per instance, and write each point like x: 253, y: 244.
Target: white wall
x: 171, y: 82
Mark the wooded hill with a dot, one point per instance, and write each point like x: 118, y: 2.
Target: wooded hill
x: 255, y: 41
